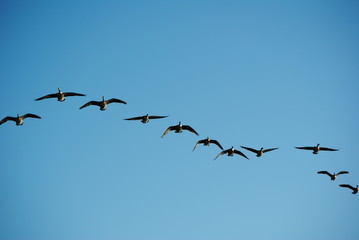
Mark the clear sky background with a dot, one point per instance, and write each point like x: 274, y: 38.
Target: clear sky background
x: 252, y: 73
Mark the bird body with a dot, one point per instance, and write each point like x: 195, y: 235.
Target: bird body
x: 316, y: 149
x: 355, y: 189
x: 179, y: 128
x: 259, y: 152
x: 207, y: 142
x: 230, y: 152
x: 19, y: 120
x: 146, y: 118
x: 60, y: 95
x: 102, y: 104
x: 334, y: 175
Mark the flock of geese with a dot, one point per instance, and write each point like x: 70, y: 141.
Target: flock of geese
x: 177, y: 129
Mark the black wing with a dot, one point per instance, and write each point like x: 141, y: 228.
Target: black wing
x: 70, y: 94
x: 325, y: 172
x: 168, y: 130
x: 306, y: 148
x: 47, y: 96
x: 112, y: 100
x: 250, y: 149
x: 156, y: 117
x: 220, y: 154
x: 347, y: 186
x: 217, y: 143
x: 189, y: 128
x: 199, y: 142
x: 342, y: 172
x: 240, y: 153
x: 31, y: 116
x: 4, y: 120
x: 90, y: 103
x: 134, y: 118
x: 269, y: 149
x: 327, y: 149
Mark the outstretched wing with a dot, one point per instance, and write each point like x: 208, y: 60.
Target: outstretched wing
x: 250, y: 149
x: 70, y: 94
x: 4, y: 120
x: 30, y: 115
x: 347, y: 186
x: 325, y: 172
x: 306, y: 148
x: 240, y: 153
x: 342, y: 172
x: 115, y: 100
x: 269, y: 149
x: 327, y: 149
x: 90, y: 103
x: 217, y: 143
x: 47, y: 96
x: 134, y: 118
x: 156, y: 117
x: 189, y: 128
x: 199, y: 142
x: 168, y: 130
x: 220, y: 154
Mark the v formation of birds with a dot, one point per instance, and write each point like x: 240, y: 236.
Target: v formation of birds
x: 177, y: 129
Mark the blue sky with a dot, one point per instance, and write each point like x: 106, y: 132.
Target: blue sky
x: 246, y: 73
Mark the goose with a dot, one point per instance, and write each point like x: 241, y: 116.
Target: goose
x: 146, y: 118
x: 19, y: 119
x: 206, y: 142
x: 103, y: 104
x: 317, y: 149
x: 355, y: 189
x: 60, y: 95
x: 231, y: 152
x: 178, y: 129
x: 334, y: 175
x: 259, y: 152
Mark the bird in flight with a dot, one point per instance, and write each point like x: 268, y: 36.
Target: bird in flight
x: 60, y: 95
x: 231, y: 151
x: 334, y: 175
x: 146, y: 118
x: 19, y: 119
x: 103, y: 104
x: 259, y: 152
x: 316, y: 149
x: 178, y: 129
x: 355, y: 189
x: 207, y: 142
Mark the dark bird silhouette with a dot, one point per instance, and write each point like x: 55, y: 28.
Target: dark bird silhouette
x: 178, y: 129
x: 19, y: 119
x: 355, y: 189
x: 259, y: 152
x: 103, y: 104
x: 146, y: 118
x: 334, y: 175
x: 231, y: 152
x: 317, y: 149
x: 60, y: 95
x: 206, y: 142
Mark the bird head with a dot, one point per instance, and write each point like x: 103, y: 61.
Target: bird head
x: 103, y: 98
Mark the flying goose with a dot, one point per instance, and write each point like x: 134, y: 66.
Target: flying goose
x: 259, y: 152
x: 334, y: 175
x: 146, y: 118
x: 103, y: 104
x: 206, y: 142
x: 60, y: 95
x: 231, y: 152
x: 19, y: 119
x: 317, y: 149
x: 178, y: 129
x: 355, y: 189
